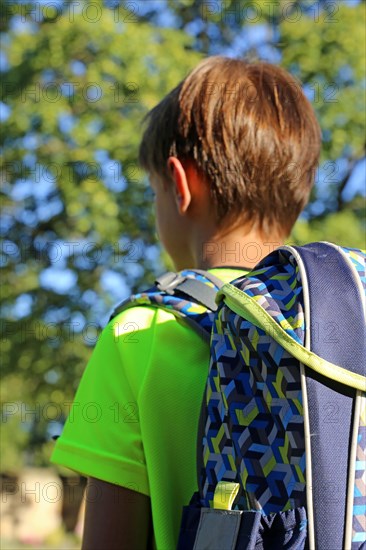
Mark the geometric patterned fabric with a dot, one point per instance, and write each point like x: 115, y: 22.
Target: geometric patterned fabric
x: 359, y: 499
x: 357, y: 257
x: 254, y: 429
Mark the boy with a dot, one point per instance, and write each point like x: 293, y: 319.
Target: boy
x: 231, y: 154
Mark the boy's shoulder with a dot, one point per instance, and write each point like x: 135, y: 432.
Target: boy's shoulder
x: 186, y: 293
x: 134, y: 320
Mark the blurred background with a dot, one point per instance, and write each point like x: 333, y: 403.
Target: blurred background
x: 77, y: 222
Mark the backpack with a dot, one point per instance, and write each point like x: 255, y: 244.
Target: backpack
x: 282, y: 430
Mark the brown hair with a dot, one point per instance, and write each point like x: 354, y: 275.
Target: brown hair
x: 251, y: 133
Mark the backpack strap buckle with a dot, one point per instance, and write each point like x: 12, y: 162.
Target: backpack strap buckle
x: 169, y: 281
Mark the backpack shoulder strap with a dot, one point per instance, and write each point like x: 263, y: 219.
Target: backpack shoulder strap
x: 333, y: 280
x: 190, y: 294
x: 196, y: 289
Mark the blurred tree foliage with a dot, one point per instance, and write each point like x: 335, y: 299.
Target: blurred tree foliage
x: 77, y: 222
x: 77, y: 90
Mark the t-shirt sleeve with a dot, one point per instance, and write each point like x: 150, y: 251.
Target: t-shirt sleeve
x: 102, y: 436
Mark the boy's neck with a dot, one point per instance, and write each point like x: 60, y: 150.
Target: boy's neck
x: 235, y: 249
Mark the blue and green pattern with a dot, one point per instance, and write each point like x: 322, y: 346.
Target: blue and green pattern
x: 359, y: 499
x: 358, y: 260
x: 254, y: 430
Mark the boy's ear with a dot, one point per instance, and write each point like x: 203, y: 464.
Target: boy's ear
x: 181, y: 184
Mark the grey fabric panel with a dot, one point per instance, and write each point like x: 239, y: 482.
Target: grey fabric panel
x: 199, y: 291
x: 217, y: 529
x: 215, y: 280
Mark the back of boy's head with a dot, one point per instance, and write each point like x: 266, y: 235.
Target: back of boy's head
x: 252, y: 135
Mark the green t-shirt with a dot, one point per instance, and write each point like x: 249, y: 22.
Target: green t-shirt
x: 135, y: 414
